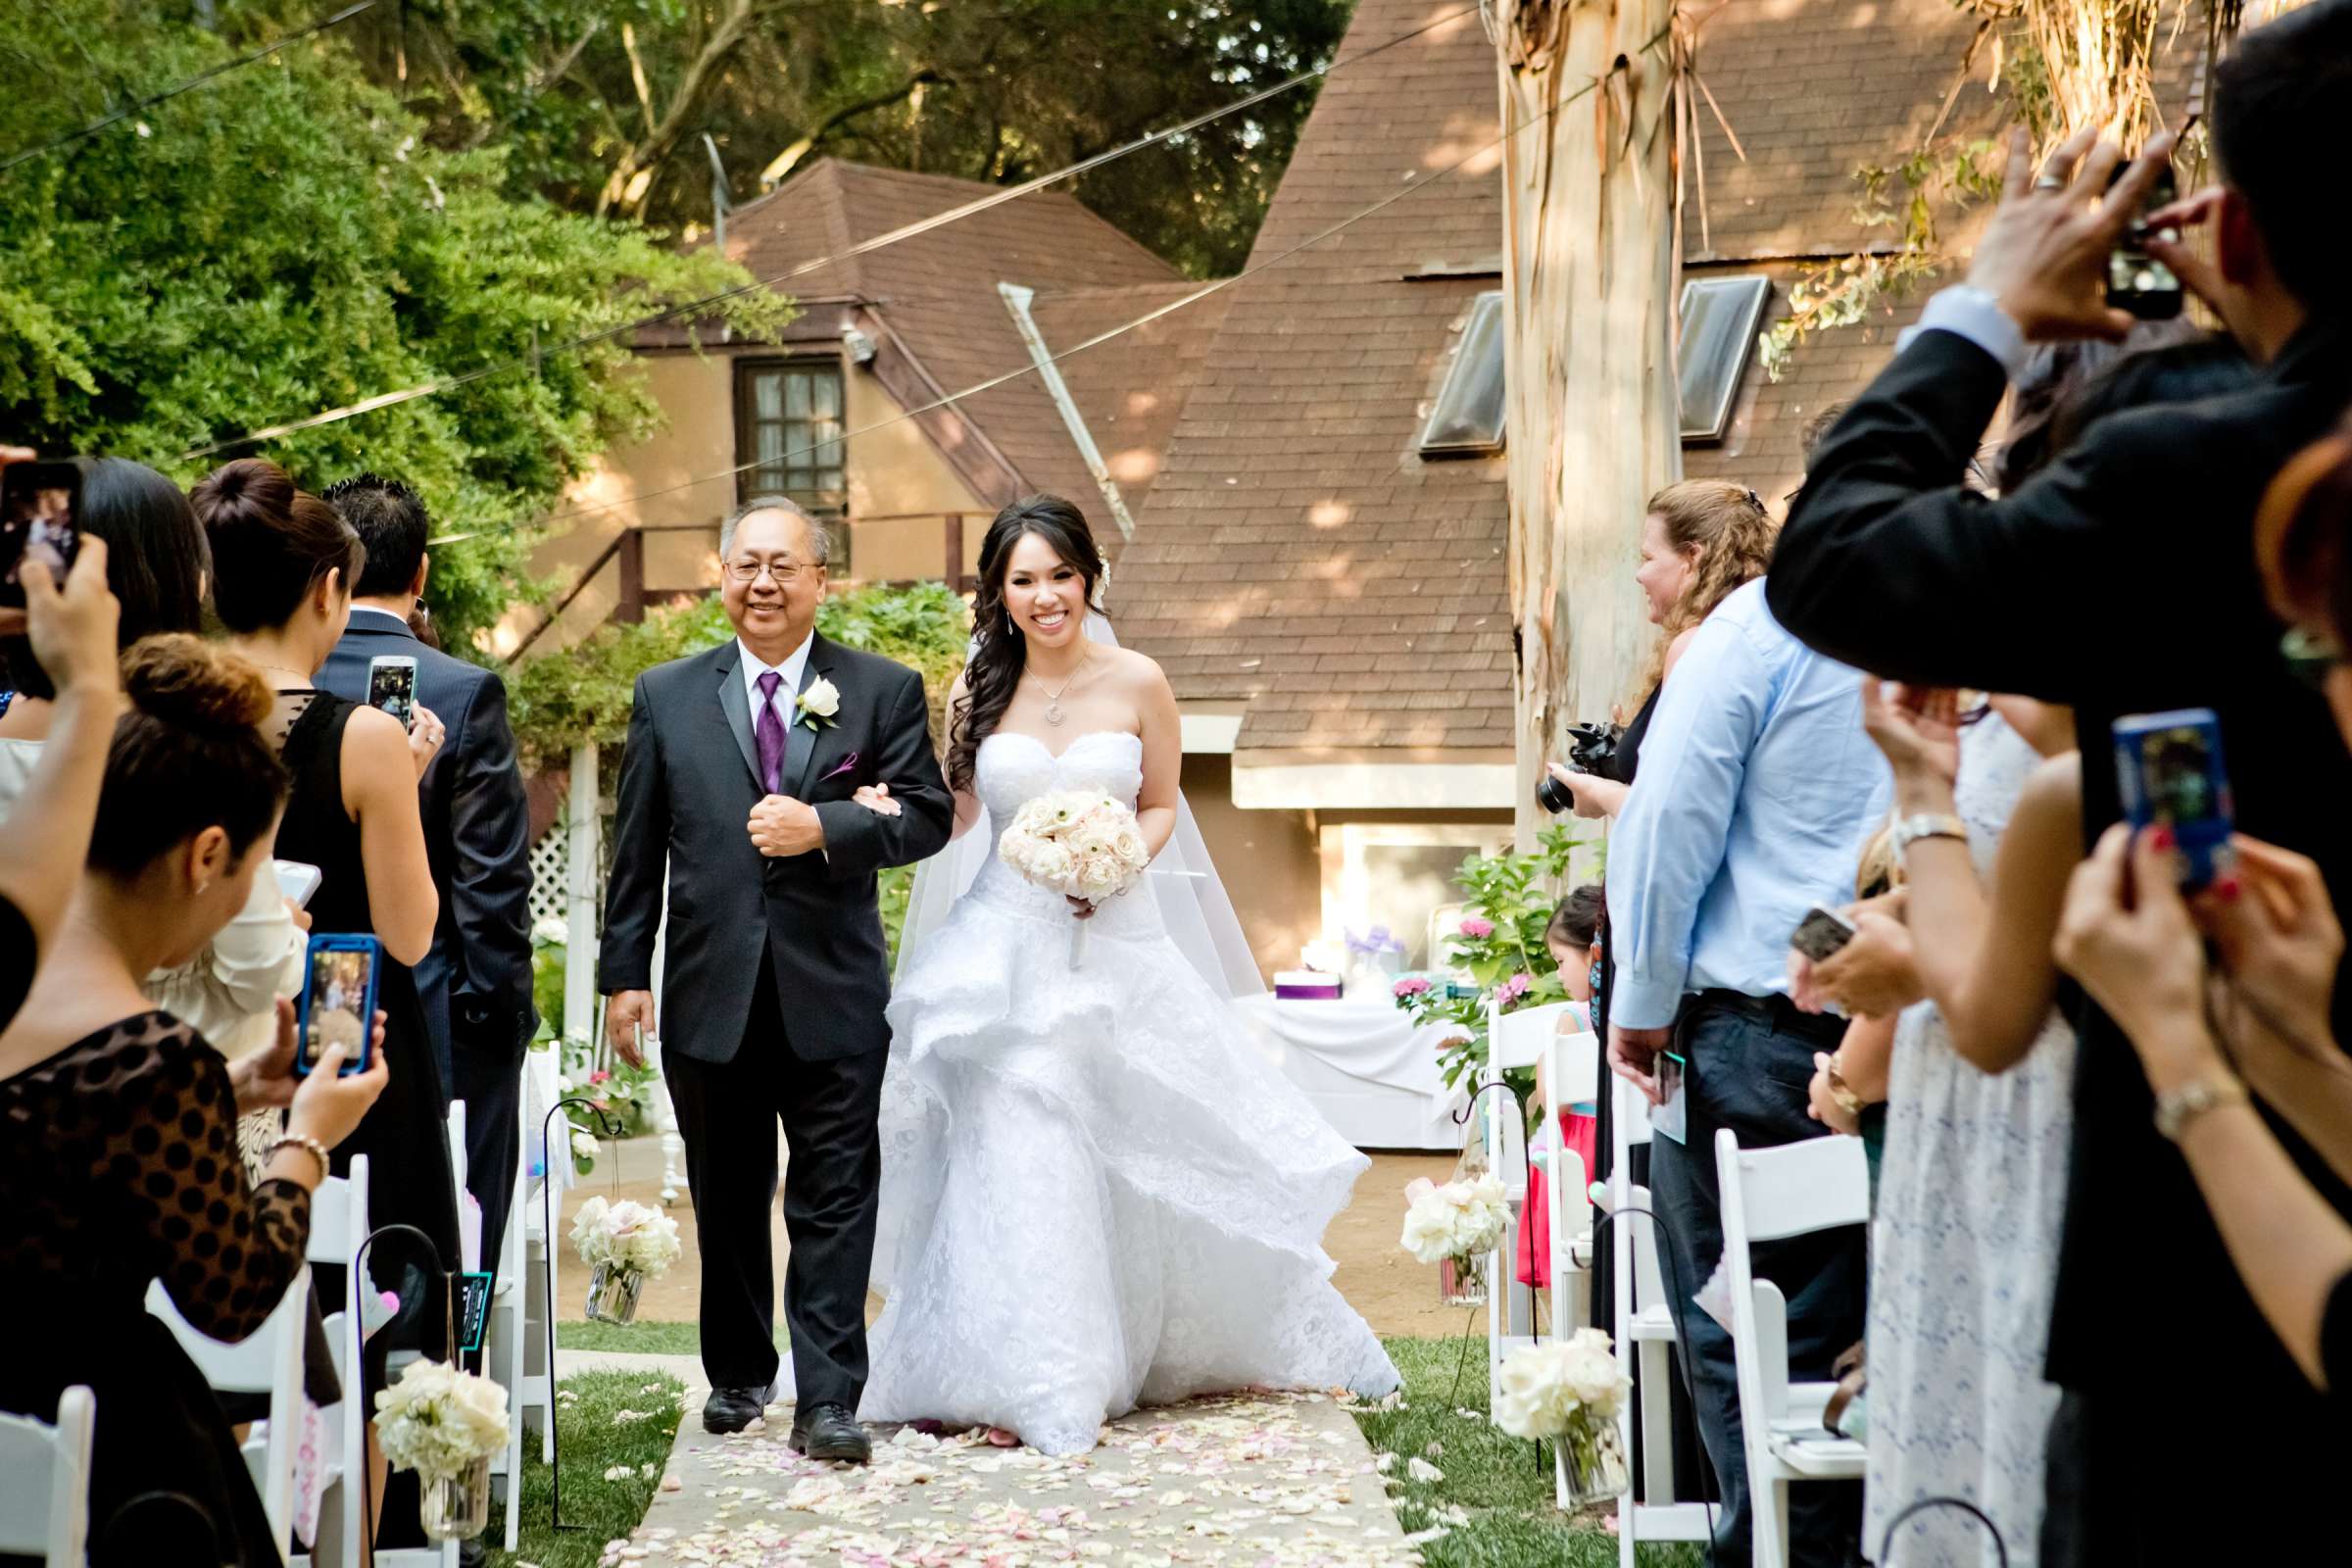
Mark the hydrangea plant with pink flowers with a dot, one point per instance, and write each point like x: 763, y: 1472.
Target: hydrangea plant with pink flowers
x: 1499, y: 942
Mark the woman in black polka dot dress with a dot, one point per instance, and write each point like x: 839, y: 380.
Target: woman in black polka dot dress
x: 118, y: 1152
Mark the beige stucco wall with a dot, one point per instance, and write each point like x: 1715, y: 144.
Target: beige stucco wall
x: 1268, y: 861
x: 891, y: 470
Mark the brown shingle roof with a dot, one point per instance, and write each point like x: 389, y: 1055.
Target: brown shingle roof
x: 1131, y: 389
x: 938, y: 290
x: 1298, y: 554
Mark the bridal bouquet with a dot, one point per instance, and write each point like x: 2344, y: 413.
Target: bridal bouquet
x: 439, y: 1420
x: 1570, y: 1392
x: 626, y: 1243
x: 1076, y: 843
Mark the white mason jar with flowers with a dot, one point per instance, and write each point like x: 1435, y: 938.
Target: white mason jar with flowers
x: 1456, y: 1225
x: 444, y: 1423
x: 1570, y: 1390
x: 626, y: 1243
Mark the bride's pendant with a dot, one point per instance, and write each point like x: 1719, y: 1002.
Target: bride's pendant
x: 1053, y: 714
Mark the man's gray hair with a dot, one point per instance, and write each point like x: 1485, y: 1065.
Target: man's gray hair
x: 820, y: 537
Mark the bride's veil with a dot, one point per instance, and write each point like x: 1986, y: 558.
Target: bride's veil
x: 1183, y: 881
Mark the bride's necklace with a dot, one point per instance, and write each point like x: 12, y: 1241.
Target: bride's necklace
x: 1053, y: 714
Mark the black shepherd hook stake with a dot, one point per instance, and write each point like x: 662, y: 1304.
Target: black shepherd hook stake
x: 1527, y: 1183
x: 449, y: 1330
x: 613, y: 1128
x: 1677, y: 1300
x: 2000, y: 1547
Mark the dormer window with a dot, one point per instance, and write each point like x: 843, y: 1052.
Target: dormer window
x: 1719, y: 321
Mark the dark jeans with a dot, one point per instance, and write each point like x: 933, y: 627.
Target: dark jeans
x: 1749, y: 1069
x: 727, y: 1114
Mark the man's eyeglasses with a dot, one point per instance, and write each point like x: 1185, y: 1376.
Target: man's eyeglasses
x: 783, y: 571
x: 2309, y: 658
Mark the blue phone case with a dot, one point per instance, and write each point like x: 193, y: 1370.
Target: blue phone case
x: 329, y: 946
x: 2168, y: 766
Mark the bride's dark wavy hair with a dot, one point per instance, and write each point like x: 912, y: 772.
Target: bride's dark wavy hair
x: 999, y: 653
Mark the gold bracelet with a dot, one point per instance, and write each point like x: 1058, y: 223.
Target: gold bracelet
x: 2185, y: 1104
x: 310, y: 1146
x: 1840, y: 1091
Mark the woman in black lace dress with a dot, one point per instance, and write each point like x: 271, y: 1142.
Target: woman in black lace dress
x: 119, y: 1161
x: 283, y: 563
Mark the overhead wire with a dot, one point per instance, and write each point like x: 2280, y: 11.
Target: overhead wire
x: 534, y: 357
x: 189, y: 85
x: 1214, y: 286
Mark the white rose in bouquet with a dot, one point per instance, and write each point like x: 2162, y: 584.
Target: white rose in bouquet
x: 437, y: 1420
x: 1078, y: 844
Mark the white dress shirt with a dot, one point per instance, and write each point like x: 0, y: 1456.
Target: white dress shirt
x: 796, y: 664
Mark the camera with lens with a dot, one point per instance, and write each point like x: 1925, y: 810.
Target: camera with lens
x: 1592, y: 749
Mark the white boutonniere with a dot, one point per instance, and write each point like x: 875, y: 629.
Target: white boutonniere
x: 818, y: 704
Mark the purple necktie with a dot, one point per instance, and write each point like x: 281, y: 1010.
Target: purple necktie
x: 771, y: 734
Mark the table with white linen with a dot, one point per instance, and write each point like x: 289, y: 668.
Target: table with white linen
x: 1367, y: 1066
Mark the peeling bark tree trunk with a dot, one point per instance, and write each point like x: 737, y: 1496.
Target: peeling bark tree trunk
x: 1589, y: 265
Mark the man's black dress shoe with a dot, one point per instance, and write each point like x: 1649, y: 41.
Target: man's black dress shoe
x: 830, y: 1432
x: 733, y: 1409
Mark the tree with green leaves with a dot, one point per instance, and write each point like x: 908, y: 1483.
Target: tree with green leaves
x: 603, y: 107
x: 288, y: 238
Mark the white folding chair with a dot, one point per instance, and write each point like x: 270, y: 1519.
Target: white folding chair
x: 1769, y: 1195
x: 1529, y: 1038
x: 45, y: 1481
x: 268, y: 1360
x: 1644, y: 1326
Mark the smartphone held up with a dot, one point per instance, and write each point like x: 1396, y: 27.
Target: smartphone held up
x: 2136, y: 281
x: 338, y: 1000
x: 392, y: 687
x: 38, y: 505
x: 2169, y: 768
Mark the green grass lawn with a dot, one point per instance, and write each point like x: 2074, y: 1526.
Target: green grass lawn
x: 1505, y: 1516
x: 595, y: 1440
x: 645, y: 1337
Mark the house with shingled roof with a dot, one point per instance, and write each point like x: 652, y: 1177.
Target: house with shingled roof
x: 1309, y: 458
x: 843, y: 413
x: 1321, y: 564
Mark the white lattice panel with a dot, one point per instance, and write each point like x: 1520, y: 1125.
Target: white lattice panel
x: 550, y: 867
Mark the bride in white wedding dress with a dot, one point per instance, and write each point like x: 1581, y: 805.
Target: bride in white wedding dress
x: 1096, y: 1194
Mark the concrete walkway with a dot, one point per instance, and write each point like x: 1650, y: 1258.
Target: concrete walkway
x: 1267, y: 1479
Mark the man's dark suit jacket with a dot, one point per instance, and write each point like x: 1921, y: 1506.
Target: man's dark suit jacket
x: 688, y: 782
x: 2121, y: 579
x: 476, y: 982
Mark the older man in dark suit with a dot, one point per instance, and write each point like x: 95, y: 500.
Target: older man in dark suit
x: 476, y: 982
x: 736, y: 797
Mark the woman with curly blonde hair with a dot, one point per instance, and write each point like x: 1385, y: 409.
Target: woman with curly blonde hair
x: 1700, y: 539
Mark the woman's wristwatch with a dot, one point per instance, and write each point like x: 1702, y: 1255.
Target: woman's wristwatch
x: 1926, y: 826
x: 2176, y: 1110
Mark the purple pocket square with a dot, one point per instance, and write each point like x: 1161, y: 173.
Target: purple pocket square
x: 846, y: 763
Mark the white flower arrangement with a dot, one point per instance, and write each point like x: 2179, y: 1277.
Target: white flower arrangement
x: 627, y: 1235
x: 437, y: 1420
x: 1459, y: 1219
x: 1076, y: 843
x: 1560, y: 1388
x: 550, y: 930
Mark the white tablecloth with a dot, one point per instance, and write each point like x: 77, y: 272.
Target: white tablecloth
x: 1367, y: 1066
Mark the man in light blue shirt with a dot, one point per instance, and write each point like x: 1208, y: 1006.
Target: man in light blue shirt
x: 1758, y: 791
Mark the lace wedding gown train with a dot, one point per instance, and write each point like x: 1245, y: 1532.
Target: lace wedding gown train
x: 1096, y: 1194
